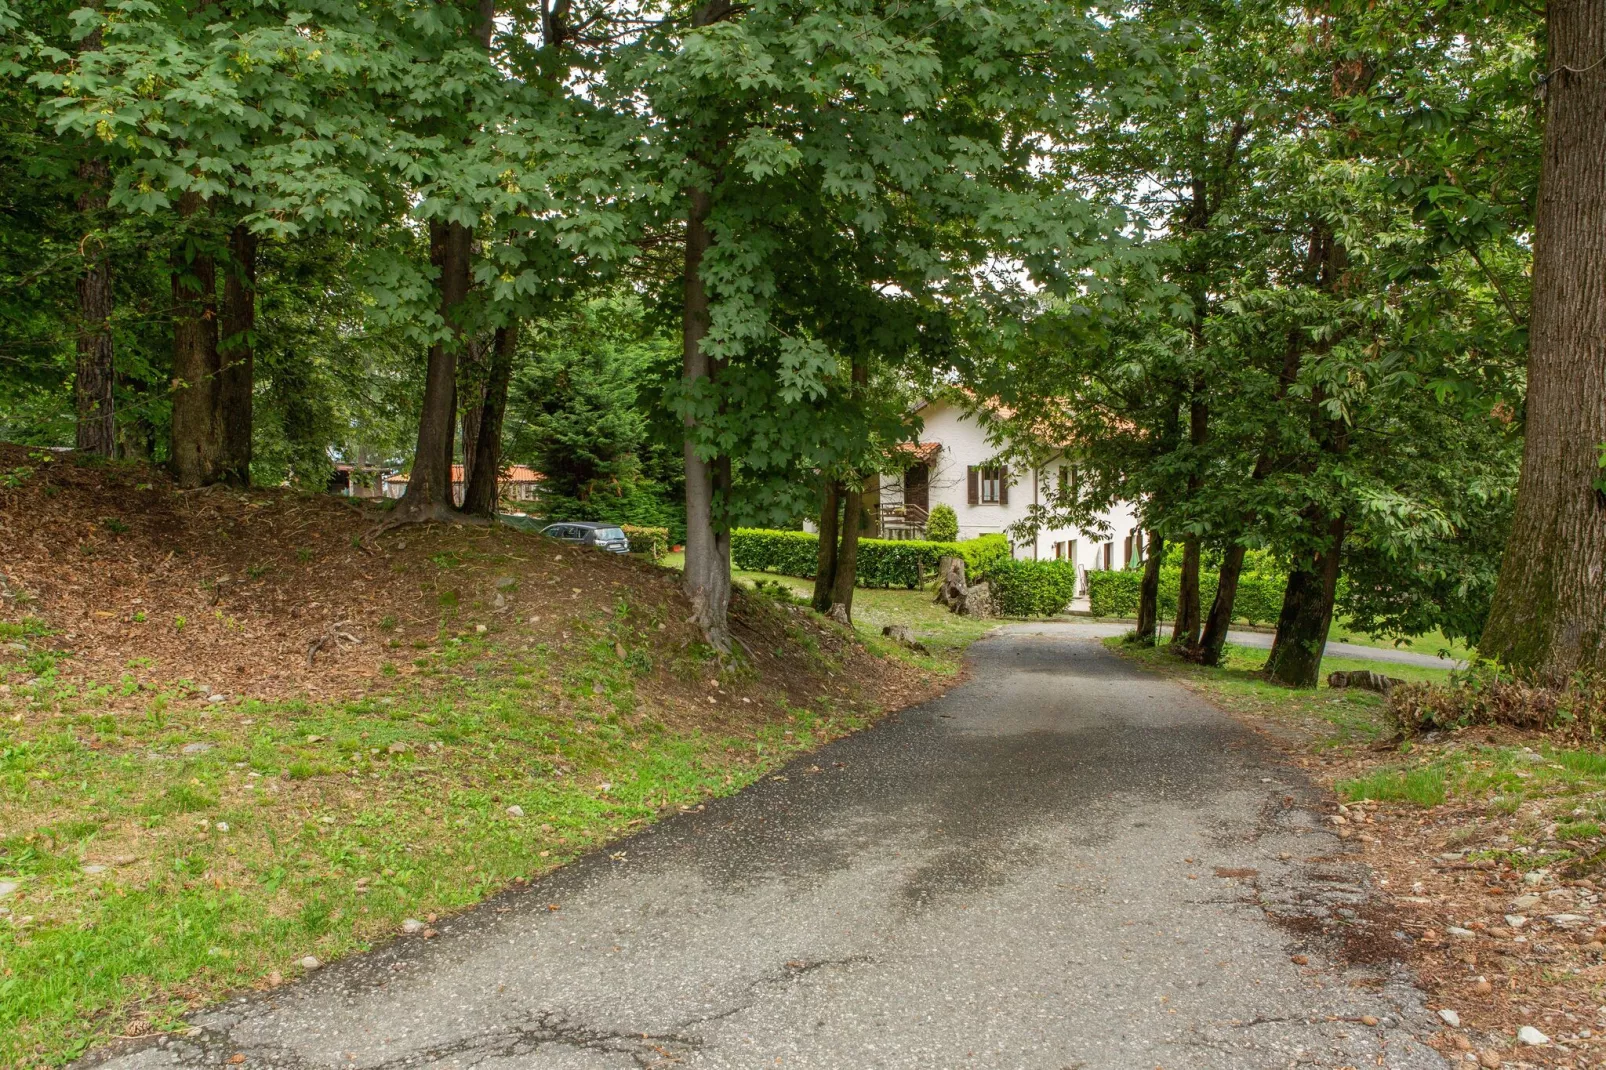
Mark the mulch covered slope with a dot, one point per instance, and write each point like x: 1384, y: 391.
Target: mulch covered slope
x: 272, y: 594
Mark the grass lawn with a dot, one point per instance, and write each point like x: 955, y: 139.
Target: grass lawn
x: 156, y: 859
x: 945, y: 634
x: 1433, y: 643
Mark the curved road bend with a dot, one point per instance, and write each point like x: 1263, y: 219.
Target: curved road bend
x: 1021, y: 875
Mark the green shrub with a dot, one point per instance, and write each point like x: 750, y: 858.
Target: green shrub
x: 943, y: 524
x: 652, y: 542
x: 1032, y: 588
x: 881, y: 562
x: 1115, y: 594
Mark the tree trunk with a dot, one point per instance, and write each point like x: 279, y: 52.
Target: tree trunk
x: 1307, y: 614
x: 1185, y: 631
x: 847, y: 555
x: 825, y: 561
x: 472, y: 374
x: 707, y: 575
x: 1149, y: 590
x: 480, y: 496
x: 1548, y: 618
x: 197, y: 443
x: 237, y: 351
x: 429, y: 485
x: 95, y: 375
x: 1214, y: 640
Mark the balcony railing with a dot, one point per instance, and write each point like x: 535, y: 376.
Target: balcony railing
x: 900, y: 521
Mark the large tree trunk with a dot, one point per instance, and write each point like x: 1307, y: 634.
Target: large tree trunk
x: 707, y: 575
x: 1549, y: 613
x: 95, y: 375
x: 197, y: 443
x: 1185, y: 630
x: 472, y: 383
x: 1214, y: 640
x: 847, y: 555
x: 480, y: 497
x: 429, y: 485
x: 1307, y: 614
x: 237, y: 351
x: 825, y: 559
x: 1149, y: 590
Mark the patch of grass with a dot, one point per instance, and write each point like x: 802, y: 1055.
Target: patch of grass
x: 1424, y: 787
x: 300, y: 828
x: 1433, y: 643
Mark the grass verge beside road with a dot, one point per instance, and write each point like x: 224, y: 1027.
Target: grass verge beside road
x: 156, y: 860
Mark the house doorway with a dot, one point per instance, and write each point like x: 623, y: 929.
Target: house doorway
x: 917, y: 492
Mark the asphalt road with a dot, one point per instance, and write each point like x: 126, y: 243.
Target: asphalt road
x: 1065, y: 862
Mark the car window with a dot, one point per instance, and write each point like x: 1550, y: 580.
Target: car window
x: 558, y: 531
x: 610, y: 534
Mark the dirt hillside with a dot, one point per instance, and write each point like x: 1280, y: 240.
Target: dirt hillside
x: 273, y: 594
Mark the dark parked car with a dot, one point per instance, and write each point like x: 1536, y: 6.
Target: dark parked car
x: 603, y: 536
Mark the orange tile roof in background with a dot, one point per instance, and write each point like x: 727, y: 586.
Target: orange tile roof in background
x: 516, y: 473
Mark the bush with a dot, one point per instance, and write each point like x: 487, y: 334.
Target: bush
x: 881, y: 562
x: 1116, y: 594
x: 651, y: 542
x: 1480, y: 697
x: 1032, y: 588
x: 943, y: 524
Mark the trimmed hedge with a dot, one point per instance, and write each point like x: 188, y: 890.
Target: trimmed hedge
x: 1115, y: 594
x: 881, y: 562
x: 651, y: 542
x: 1032, y: 588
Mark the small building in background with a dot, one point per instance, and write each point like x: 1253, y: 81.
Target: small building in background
x: 358, y: 480
x: 518, y: 484
x: 950, y: 467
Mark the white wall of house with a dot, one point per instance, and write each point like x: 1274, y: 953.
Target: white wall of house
x: 964, y: 444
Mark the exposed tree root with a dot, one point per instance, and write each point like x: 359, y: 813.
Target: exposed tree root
x: 434, y: 513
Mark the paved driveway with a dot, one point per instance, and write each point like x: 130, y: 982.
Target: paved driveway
x: 1064, y: 863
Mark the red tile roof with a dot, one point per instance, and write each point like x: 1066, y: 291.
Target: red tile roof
x: 515, y: 473
x: 922, y: 452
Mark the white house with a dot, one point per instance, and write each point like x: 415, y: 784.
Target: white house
x: 950, y: 468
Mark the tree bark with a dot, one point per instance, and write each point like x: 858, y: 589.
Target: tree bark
x: 481, y: 498
x: 847, y: 555
x: 95, y: 374
x: 1149, y: 590
x: 237, y: 354
x: 1307, y: 614
x: 1548, y: 618
x: 429, y: 485
x: 825, y: 560
x: 197, y: 443
x: 472, y: 387
x: 1185, y: 630
x: 1214, y: 640
x: 707, y: 575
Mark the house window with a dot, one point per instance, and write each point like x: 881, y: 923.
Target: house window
x: 988, y: 486
x: 1069, y: 481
